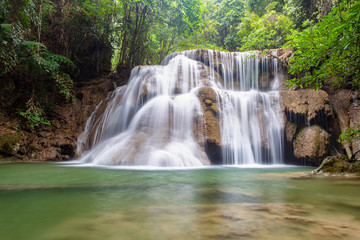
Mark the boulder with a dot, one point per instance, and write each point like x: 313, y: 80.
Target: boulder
x: 338, y: 165
x: 10, y: 142
x: 307, y: 107
x: 312, y: 144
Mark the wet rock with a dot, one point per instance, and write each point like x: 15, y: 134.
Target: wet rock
x: 307, y: 106
x: 290, y: 131
x: 311, y: 143
x: 264, y: 81
x: 309, y: 119
x: 202, y: 55
x: 211, y: 123
x: 338, y: 165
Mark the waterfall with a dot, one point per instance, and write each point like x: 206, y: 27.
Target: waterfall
x: 159, y: 118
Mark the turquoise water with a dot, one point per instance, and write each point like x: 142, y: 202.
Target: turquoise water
x: 57, y: 201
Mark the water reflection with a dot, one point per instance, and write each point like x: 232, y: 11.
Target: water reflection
x: 217, y: 203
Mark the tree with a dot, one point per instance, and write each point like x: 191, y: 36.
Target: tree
x: 329, y: 51
x: 265, y: 32
x: 27, y: 63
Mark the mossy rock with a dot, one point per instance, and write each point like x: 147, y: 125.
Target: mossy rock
x: 7, y: 158
x: 214, y: 108
x: 10, y: 142
x: 339, y: 164
x: 208, y: 102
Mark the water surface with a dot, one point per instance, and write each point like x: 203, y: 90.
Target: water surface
x: 56, y: 201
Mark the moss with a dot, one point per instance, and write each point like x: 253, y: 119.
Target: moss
x: 10, y: 142
x: 355, y: 168
x: 293, y: 124
x: 299, y: 133
x: 338, y: 165
x: 316, y: 145
x: 214, y: 108
x: 208, y: 102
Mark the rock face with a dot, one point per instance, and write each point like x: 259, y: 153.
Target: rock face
x: 208, y: 100
x: 311, y: 143
x: 309, y: 119
x: 331, y: 114
x: 56, y: 142
x: 347, y: 114
x: 307, y: 106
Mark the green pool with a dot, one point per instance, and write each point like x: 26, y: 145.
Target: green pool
x: 48, y: 201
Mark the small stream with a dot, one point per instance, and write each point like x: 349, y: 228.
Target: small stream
x: 67, y: 201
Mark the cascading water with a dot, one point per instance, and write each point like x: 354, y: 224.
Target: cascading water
x: 158, y: 119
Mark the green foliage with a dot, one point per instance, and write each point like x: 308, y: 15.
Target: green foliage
x: 329, y: 51
x: 40, y: 63
x: 294, y: 9
x: 8, y: 58
x: 260, y: 6
x: 228, y: 14
x: 266, y: 32
x: 148, y: 30
x: 349, y: 135
x: 35, y: 71
x: 35, y: 117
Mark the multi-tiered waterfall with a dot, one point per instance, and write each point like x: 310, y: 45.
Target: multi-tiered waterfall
x: 198, y: 107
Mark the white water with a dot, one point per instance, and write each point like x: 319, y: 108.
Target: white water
x: 157, y: 119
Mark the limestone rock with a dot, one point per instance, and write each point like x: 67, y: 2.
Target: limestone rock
x: 340, y: 102
x: 306, y: 106
x: 202, y: 55
x: 211, y: 123
x: 290, y: 131
x: 311, y: 143
x: 347, y: 111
